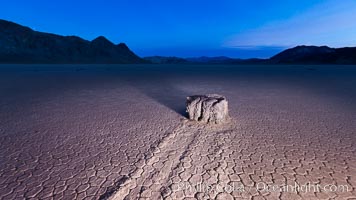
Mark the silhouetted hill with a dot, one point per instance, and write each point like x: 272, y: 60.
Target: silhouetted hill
x: 224, y: 60
x: 211, y: 60
x: 19, y: 44
x: 296, y: 55
x: 202, y: 60
x: 315, y: 55
x: 165, y: 60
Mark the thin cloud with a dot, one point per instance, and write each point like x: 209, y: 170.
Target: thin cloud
x: 331, y: 23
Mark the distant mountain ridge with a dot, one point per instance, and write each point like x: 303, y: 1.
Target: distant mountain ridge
x: 202, y: 60
x: 165, y: 60
x: 19, y: 44
x: 296, y: 55
x: 212, y: 60
x: 316, y: 55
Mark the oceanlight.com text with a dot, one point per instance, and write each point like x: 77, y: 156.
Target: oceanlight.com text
x: 260, y: 187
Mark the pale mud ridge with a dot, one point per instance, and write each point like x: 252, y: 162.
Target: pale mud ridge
x: 99, y: 134
x: 63, y: 138
x: 172, y: 162
x: 224, y: 156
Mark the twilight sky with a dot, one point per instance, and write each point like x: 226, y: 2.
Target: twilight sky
x: 188, y: 28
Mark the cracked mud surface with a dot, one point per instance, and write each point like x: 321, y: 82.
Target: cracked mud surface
x: 120, y: 134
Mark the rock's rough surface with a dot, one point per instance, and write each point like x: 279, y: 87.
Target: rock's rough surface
x: 211, y: 108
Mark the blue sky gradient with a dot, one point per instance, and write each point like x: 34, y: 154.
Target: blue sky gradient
x: 235, y: 28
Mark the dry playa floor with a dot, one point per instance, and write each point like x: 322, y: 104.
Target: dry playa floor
x: 120, y: 132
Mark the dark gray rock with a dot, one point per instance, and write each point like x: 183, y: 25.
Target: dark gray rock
x: 211, y: 108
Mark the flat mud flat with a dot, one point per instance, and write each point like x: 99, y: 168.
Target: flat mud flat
x: 121, y: 132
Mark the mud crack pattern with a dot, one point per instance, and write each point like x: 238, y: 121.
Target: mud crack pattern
x: 116, y: 132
